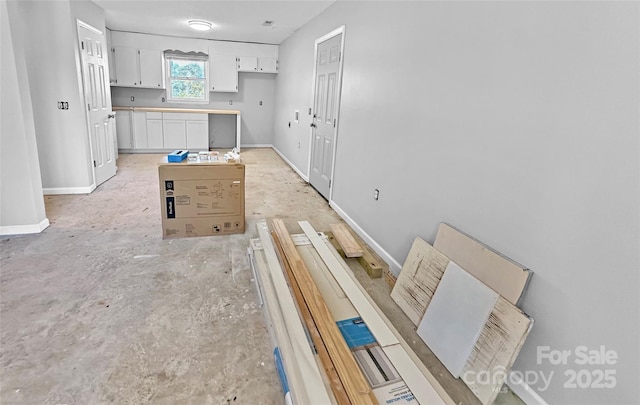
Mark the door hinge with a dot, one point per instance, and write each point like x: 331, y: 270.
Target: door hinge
x: 82, y: 43
x: 94, y: 164
x: 329, y: 183
x: 88, y: 107
x: 334, y: 122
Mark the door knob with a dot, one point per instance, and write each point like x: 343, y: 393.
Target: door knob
x: 111, y: 115
x: 313, y: 125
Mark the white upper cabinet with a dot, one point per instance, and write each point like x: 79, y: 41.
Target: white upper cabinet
x: 150, y: 68
x: 223, y: 73
x: 257, y: 64
x: 112, y: 66
x: 268, y: 65
x: 138, y: 67
x: 247, y: 64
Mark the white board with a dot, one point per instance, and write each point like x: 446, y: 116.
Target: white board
x: 455, y: 317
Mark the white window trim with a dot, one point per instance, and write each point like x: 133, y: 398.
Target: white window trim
x: 169, y: 99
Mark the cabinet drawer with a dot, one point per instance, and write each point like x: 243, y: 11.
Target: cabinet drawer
x: 186, y: 116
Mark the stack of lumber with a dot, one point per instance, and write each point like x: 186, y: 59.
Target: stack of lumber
x: 333, y: 344
x: 462, y: 296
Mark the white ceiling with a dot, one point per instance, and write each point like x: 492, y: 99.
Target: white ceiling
x: 239, y: 20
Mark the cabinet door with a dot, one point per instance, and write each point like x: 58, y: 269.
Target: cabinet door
x: 268, y: 65
x: 223, y: 73
x: 174, y: 134
x: 198, y: 135
x: 247, y: 64
x: 151, y: 68
x: 139, y: 130
x: 155, y: 137
x: 126, y: 66
x: 123, y: 129
x: 111, y: 57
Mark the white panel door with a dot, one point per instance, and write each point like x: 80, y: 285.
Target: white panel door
x: 325, y: 116
x: 95, y: 74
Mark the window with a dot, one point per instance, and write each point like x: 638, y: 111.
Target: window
x: 187, y: 77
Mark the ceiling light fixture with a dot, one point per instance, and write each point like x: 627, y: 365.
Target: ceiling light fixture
x: 200, y: 25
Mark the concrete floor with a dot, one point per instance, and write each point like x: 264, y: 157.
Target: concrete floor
x: 100, y: 309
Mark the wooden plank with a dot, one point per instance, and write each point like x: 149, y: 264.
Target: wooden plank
x: 418, y: 279
x: 428, y: 389
x: 455, y: 317
x: 353, y: 380
x: 389, y: 278
x: 368, y: 261
x: 304, y: 359
x: 339, y: 305
x: 380, y: 331
x: 496, y: 350
x: 334, y: 380
x: 502, y: 274
x: 349, y: 245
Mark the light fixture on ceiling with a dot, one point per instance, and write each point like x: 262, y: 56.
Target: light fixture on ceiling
x: 200, y: 25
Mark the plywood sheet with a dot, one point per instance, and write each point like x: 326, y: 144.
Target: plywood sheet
x: 418, y: 279
x: 502, y: 274
x: 496, y: 350
x: 455, y: 317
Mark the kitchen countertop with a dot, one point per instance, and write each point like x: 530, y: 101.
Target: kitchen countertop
x: 176, y: 110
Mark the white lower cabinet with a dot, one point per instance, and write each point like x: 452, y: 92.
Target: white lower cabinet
x: 154, y: 131
x: 175, y: 133
x: 155, y: 138
x: 140, y: 130
x: 124, y: 133
x: 198, y: 135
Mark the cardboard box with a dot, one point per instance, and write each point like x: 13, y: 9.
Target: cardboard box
x: 201, y: 199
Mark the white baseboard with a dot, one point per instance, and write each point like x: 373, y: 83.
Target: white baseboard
x: 290, y: 164
x: 24, y: 229
x: 69, y: 190
x: 523, y: 391
x: 256, y: 145
x: 394, y: 266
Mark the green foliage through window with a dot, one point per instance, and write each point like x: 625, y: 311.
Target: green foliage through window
x: 187, y: 79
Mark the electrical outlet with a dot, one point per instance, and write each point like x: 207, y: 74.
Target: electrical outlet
x: 296, y: 114
x: 63, y: 105
x: 298, y: 145
x: 309, y: 111
x: 260, y: 102
x: 376, y: 194
x: 133, y: 98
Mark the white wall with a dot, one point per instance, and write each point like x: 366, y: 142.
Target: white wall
x: 257, y: 120
x: 53, y: 65
x: 21, y: 202
x: 515, y: 122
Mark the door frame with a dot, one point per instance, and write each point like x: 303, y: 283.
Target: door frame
x: 335, y: 32
x: 81, y: 72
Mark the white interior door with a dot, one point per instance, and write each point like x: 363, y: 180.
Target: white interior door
x: 95, y: 75
x: 325, y: 111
